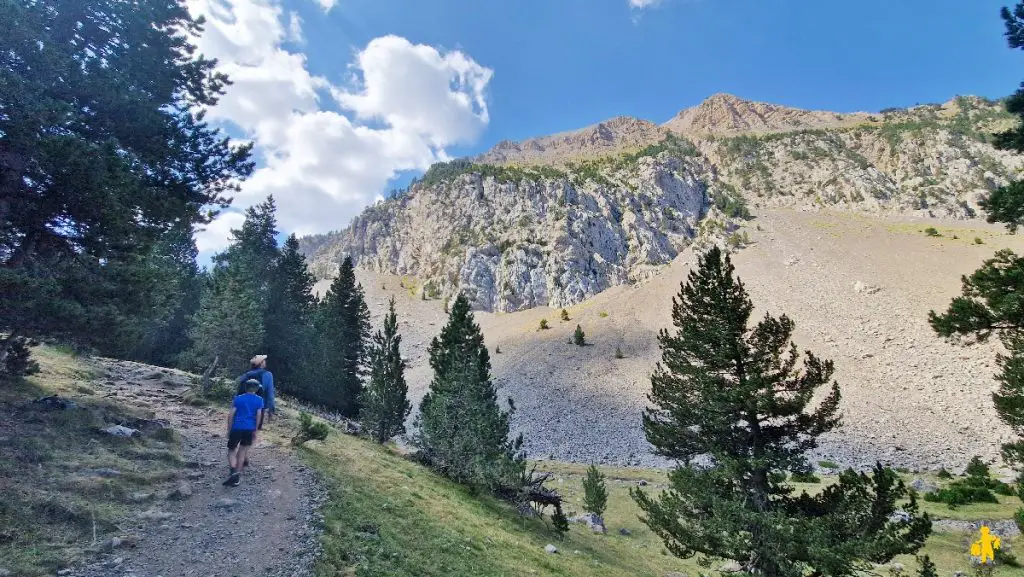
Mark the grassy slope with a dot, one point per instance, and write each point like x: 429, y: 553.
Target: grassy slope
x: 429, y: 526
x: 386, y: 516
x: 54, y: 502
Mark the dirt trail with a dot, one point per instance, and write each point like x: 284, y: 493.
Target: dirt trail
x: 196, y: 526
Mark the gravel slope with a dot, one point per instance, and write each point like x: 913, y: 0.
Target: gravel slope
x: 909, y: 398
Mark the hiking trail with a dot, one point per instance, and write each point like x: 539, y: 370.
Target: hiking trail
x: 196, y: 527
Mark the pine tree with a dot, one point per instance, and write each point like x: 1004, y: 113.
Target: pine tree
x: 595, y: 493
x: 289, y: 320
x: 385, y: 403
x: 95, y: 167
x: 736, y: 395
x: 229, y: 325
x: 1006, y: 204
x: 463, y: 433
x: 343, y: 329
x: 565, y: 315
x: 578, y: 338
x: 253, y: 252
x: 927, y: 568
x: 560, y: 522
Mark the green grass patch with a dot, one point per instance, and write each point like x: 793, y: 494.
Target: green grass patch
x: 54, y: 468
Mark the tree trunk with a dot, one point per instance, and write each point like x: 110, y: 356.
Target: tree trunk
x: 207, y: 384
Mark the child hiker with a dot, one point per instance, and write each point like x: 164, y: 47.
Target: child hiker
x: 243, y: 421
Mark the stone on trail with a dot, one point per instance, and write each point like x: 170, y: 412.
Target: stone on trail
x: 181, y: 492
x: 551, y: 548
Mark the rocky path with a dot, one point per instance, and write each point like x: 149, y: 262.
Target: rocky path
x: 195, y: 526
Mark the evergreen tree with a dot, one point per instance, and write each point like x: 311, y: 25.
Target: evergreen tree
x: 578, y: 338
x: 463, y: 433
x: 595, y: 493
x: 385, y: 403
x: 1006, y: 204
x: 103, y: 149
x: 253, y: 252
x: 927, y: 568
x: 229, y: 325
x: 165, y: 337
x: 735, y: 395
x: 343, y: 329
x: 289, y: 320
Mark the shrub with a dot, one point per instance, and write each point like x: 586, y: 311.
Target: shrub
x: 578, y: 338
x: 801, y: 477
x: 497, y: 350
x: 955, y: 237
x: 560, y: 522
x: 828, y: 464
x: 977, y: 240
x: 927, y: 568
x: 19, y: 358
x: 977, y: 487
x: 1018, y: 518
x: 543, y: 325
x: 565, y: 315
x: 603, y: 314
x: 619, y: 354
x: 595, y: 492
x: 310, y: 430
x: 932, y: 231
x: 944, y: 474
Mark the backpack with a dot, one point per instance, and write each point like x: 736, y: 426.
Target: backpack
x: 259, y: 391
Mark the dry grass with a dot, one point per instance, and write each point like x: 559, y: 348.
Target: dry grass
x: 66, y: 488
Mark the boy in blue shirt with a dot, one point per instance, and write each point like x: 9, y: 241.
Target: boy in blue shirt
x: 243, y: 421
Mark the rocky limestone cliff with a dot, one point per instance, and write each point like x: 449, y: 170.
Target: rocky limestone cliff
x: 560, y: 231
x: 608, y: 137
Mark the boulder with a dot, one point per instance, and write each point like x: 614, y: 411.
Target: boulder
x: 54, y: 403
x: 625, y: 532
x: 922, y: 486
x: 551, y: 548
x: 181, y: 492
x: 121, y: 431
x: 594, y: 522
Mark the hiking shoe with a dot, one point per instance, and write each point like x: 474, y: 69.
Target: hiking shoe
x: 233, y: 480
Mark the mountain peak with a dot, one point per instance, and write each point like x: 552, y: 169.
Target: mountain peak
x: 724, y: 113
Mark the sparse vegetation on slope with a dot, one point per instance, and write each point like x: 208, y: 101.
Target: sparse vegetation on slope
x: 65, y: 487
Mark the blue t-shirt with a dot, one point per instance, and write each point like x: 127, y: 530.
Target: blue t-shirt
x: 247, y: 406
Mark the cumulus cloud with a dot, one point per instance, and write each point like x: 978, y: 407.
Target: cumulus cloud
x: 214, y: 236
x: 405, y: 103
x: 295, y: 28
x: 326, y: 4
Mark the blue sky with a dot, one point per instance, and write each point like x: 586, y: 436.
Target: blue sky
x: 563, y: 64
x: 350, y: 124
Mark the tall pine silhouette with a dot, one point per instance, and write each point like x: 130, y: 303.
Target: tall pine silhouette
x: 462, y: 432
x: 289, y: 321
x: 385, y: 402
x: 343, y: 329
x: 736, y: 395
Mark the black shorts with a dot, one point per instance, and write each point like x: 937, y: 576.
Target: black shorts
x: 236, y: 437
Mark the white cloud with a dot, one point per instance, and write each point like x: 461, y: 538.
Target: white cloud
x: 295, y: 28
x: 326, y: 4
x: 407, y: 103
x: 214, y: 236
x: 419, y: 90
x: 643, y: 3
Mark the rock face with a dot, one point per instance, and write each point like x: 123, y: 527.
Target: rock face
x: 586, y: 216
x: 608, y: 137
x: 512, y: 241
x: 727, y: 114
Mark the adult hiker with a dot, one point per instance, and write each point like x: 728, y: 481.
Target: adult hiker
x: 266, y: 379
x: 259, y: 373
x: 245, y: 418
